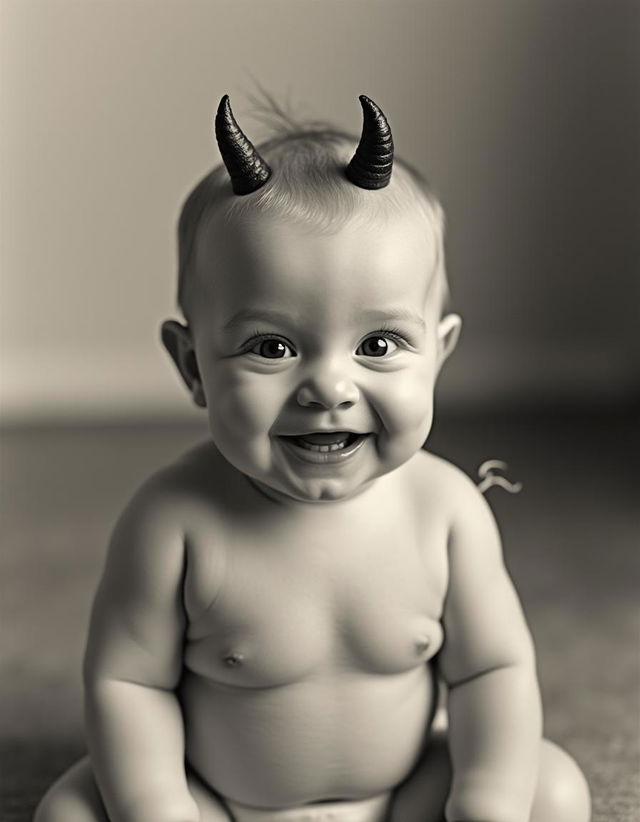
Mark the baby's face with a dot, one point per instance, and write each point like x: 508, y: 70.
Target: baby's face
x: 318, y: 353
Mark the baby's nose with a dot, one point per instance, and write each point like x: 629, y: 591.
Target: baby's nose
x: 328, y: 392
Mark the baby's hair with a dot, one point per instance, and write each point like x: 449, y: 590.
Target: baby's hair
x: 307, y: 186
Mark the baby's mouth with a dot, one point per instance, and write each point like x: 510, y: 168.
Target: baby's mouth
x: 325, y: 441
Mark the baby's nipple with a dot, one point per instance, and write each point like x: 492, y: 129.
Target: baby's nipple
x: 422, y: 645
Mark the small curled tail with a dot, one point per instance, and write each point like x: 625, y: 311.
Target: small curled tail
x: 489, y: 478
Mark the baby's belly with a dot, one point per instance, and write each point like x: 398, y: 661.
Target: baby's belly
x: 339, y: 735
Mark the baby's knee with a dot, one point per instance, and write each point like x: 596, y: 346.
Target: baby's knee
x: 63, y: 806
x: 73, y: 798
x: 563, y: 793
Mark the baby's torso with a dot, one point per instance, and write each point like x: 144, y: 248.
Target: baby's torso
x: 307, y: 672
x: 282, y: 612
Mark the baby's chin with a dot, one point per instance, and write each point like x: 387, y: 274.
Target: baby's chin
x: 283, y: 484
x: 317, y: 491
x: 272, y: 469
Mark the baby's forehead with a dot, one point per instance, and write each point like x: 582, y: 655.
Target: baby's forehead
x: 251, y: 234
x: 267, y: 260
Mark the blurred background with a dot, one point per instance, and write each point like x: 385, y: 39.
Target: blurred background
x: 524, y: 115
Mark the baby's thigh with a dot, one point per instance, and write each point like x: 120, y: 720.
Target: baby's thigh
x: 75, y: 798
x: 423, y: 795
x: 210, y: 807
x: 562, y: 793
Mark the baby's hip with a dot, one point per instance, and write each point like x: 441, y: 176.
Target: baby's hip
x: 373, y: 809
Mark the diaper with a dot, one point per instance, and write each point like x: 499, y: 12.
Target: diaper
x: 359, y: 810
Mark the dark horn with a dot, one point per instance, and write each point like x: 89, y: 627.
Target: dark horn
x: 247, y: 169
x: 371, y: 165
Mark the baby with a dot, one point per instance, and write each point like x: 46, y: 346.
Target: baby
x: 279, y: 605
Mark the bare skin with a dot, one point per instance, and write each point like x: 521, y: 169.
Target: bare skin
x: 272, y: 616
x: 280, y: 628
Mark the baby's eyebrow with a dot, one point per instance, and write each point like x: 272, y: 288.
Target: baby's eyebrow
x: 394, y: 313
x: 246, y: 315
x: 398, y: 314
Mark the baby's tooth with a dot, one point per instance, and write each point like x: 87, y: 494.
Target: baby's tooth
x: 334, y: 446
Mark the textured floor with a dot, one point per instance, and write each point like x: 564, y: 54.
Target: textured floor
x: 572, y: 541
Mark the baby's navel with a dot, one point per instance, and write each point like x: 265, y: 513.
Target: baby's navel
x: 232, y: 660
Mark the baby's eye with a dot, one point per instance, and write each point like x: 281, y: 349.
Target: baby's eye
x: 272, y: 348
x: 377, y: 346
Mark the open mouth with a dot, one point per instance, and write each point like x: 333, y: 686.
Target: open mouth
x: 325, y: 441
x: 325, y: 446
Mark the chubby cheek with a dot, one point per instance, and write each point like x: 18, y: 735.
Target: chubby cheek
x: 405, y: 410
x: 241, y: 413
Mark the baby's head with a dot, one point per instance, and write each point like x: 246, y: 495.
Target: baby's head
x: 315, y: 292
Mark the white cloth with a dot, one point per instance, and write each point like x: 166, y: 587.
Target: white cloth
x: 374, y: 809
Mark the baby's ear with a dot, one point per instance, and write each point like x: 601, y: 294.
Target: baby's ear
x: 177, y: 340
x: 448, y: 332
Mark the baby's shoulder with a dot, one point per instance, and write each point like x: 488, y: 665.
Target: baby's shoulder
x: 434, y: 478
x: 168, y: 500
x: 470, y: 523
x: 150, y: 543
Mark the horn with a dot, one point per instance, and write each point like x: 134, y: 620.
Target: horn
x: 247, y: 169
x: 372, y: 163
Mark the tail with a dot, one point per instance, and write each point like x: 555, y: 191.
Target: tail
x: 488, y: 478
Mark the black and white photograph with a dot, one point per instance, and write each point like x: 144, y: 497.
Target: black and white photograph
x: 319, y: 411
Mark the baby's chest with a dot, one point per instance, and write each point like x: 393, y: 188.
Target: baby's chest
x: 281, y: 616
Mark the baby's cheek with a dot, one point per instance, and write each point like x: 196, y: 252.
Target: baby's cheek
x: 241, y: 410
x: 406, y: 406
x: 406, y: 413
x: 241, y: 415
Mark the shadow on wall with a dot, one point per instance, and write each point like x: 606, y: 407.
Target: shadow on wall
x: 544, y: 242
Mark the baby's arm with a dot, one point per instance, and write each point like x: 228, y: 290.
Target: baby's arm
x: 133, y: 663
x: 488, y: 663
